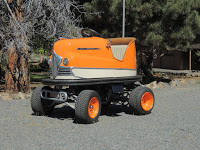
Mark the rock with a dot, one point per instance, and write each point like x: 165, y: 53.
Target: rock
x: 175, y: 83
x: 183, y: 82
x: 137, y: 83
x: 153, y: 85
x: 160, y: 85
x: 15, y: 96
x: 163, y: 85
x: 148, y: 85
x: 193, y: 75
x: 21, y: 95
x: 27, y: 96
x: 178, y: 82
x: 5, y: 96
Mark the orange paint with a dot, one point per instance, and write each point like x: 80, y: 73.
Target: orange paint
x: 147, y: 101
x: 99, y: 54
x: 93, y: 107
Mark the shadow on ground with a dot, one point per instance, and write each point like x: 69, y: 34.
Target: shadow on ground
x: 65, y: 112
x: 115, y: 110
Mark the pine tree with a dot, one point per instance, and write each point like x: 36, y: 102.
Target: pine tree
x: 156, y: 24
x: 181, y: 24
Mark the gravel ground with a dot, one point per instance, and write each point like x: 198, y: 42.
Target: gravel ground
x: 173, y: 124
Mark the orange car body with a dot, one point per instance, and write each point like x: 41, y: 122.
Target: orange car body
x: 95, y: 57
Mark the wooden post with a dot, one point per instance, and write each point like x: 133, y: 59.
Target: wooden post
x: 40, y: 58
x: 190, y: 60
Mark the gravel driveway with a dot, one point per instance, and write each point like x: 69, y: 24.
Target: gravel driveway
x: 173, y: 124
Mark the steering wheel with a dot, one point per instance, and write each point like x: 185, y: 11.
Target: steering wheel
x: 89, y: 33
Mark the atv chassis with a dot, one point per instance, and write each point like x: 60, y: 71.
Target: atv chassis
x: 87, y: 96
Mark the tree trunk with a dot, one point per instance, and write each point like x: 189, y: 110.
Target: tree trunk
x: 17, y: 73
x: 17, y: 77
x: 145, y: 65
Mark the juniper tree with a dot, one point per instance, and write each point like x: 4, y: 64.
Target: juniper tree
x: 22, y: 20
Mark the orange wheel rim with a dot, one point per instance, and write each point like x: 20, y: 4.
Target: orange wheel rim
x: 93, y: 107
x: 147, y: 101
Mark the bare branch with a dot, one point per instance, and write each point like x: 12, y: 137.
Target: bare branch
x: 14, y: 18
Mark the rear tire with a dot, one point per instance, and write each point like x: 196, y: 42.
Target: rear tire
x: 41, y: 106
x: 88, y: 106
x: 141, y: 100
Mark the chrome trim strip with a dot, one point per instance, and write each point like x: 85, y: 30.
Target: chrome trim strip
x: 97, y: 68
x: 88, y: 48
x: 55, y: 65
x: 59, y: 58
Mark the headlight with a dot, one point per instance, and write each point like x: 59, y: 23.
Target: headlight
x: 66, y: 61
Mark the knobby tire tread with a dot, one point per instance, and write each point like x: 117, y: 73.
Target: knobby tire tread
x: 81, y: 106
x: 36, y: 103
x: 135, y: 100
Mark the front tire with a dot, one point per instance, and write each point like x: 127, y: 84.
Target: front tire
x: 88, y: 106
x: 41, y: 106
x: 142, y: 100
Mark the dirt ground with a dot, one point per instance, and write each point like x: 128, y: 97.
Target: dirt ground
x: 173, y: 124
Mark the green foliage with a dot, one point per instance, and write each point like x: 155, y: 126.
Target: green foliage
x: 33, y: 76
x: 180, y: 24
x: 41, y: 45
x: 44, y: 66
x: 38, y: 77
x: 159, y: 24
x: 41, y: 51
x: 198, y: 53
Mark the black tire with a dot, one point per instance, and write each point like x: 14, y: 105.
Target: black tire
x: 41, y: 106
x: 82, y: 106
x: 136, y: 100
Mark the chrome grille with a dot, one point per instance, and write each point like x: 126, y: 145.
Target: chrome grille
x: 55, y: 64
x: 64, y: 71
